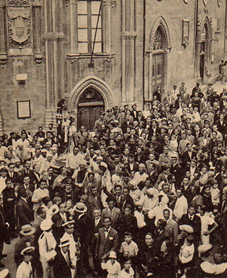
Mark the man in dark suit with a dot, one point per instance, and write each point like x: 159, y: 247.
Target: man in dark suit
x: 171, y: 227
x: 11, y: 173
x: 188, y: 156
x: 134, y: 112
x: 96, y: 225
x: 222, y: 125
x: 194, y: 221
x: 27, y: 185
x: 24, y: 210
x: 58, y: 219
x: 48, y: 138
x: 83, y: 230
x: 107, y: 240
x: 131, y: 165
x: 62, y: 261
x: 112, y: 211
x: 27, y: 170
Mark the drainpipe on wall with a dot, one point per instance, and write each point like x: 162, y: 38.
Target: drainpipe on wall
x: 144, y: 47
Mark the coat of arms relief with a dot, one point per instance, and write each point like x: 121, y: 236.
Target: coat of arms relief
x: 19, y: 23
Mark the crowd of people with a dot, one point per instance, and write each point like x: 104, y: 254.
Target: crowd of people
x: 143, y: 194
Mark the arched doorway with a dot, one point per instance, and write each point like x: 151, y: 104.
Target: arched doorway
x: 158, y: 61
x: 203, y: 47
x: 90, y: 107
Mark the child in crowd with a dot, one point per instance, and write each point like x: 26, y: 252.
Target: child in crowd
x: 112, y: 266
x: 186, y: 254
x: 127, y: 271
x: 25, y: 268
x: 215, y: 194
x: 129, y: 249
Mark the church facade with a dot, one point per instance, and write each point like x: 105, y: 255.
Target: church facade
x: 47, y: 52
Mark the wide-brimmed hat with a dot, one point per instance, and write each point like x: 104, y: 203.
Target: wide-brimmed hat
x: 208, y: 267
x: 150, y: 192
x: 80, y: 207
x: 68, y: 223
x: 4, y: 273
x: 186, y: 228
x: 27, y: 230
x: 64, y: 243
x: 46, y: 225
x: 27, y: 250
x: 103, y: 164
x: 204, y: 248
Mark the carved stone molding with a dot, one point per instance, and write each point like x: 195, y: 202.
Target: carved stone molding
x: 96, y: 83
x: 129, y: 36
x: 51, y: 36
x: 75, y: 57
x: 38, y: 57
x: 202, y: 20
x: 19, y: 25
x: 164, y: 26
x: 37, y: 3
x: 18, y: 2
x: 3, y: 58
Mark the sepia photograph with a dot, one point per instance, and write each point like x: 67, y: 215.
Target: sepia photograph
x: 113, y: 138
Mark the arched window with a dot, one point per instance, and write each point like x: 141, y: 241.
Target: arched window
x: 88, y: 11
x: 158, y: 39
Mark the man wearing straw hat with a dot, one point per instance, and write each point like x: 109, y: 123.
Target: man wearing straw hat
x: 47, y: 245
x: 25, y: 268
x: 73, y: 245
x: 26, y: 239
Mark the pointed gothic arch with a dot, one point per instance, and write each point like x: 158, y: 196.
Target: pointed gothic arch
x: 161, y: 24
x: 159, y: 46
x: 99, y: 90
x: 204, y: 43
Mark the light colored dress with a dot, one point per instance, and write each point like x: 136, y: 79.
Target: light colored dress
x: 112, y: 269
x: 124, y: 274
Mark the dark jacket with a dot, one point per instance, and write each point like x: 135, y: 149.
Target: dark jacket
x: 61, y: 268
x: 105, y: 245
x: 24, y: 212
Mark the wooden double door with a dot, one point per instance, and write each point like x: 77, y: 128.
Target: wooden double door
x: 87, y: 115
x: 158, y: 71
x: 90, y: 107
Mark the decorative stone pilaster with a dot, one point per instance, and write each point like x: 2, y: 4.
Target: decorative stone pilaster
x: 3, y: 56
x: 36, y: 5
x: 53, y: 38
x: 128, y: 52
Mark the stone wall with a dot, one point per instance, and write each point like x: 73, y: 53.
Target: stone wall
x: 48, y: 52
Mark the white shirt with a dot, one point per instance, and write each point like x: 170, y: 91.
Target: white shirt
x: 124, y: 274
x: 106, y: 232
x: 24, y: 270
x: 181, y: 207
x: 72, y: 247
x: 47, y: 245
x: 2, y: 184
x: 140, y: 219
